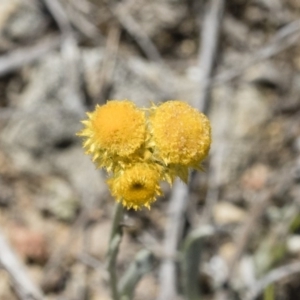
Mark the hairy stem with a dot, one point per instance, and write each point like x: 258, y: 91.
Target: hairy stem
x: 113, y: 249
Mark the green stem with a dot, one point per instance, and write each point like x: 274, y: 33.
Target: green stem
x: 141, y: 265
x: 191, y: 260
x: 113, y: 249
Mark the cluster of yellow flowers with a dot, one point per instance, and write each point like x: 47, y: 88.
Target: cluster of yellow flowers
x: 141, y: 147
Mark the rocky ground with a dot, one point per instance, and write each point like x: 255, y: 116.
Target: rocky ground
x: 57, y: 62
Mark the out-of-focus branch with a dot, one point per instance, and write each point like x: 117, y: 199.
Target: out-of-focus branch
x: 173, y: 230
x: 109, y: 62
x: 179, y: 198
x: 272, y: 277
x: 218, y: 155
x: 133, y: 28
x: 58, y: 13
x: 209, y: 40
x: 81, y: 21
x: 71, y: 55
x: 24, y: 287
x: 257, y: 210
x: 21, y: 57
x: 58, y: 256
x: 285, y: 38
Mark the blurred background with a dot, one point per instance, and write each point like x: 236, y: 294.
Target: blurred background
x: 236, y: 60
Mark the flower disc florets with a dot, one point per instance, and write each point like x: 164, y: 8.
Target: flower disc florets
x: 137, y: 186
x: 114, y: 131
x: 181, y: 135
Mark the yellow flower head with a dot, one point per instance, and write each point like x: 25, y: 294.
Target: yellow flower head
x: 140, y: 152
x: 113, y: 131
x: 181, y: 134
x: 137, y: 186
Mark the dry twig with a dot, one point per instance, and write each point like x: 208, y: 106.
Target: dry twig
x: 210, y: 36
x: 209, y: 41
x: 218, y: 154
x: 21, y: 57
x: 24, y: 287
x: 272, y: 277
x: 285, y: 38
x: 59, y: 15
x: 71, y: 56
x: 61, y: 251
x: 257, y: 210
x: 109, y: 62
x: 91, y: 261
x: 173, y: 230
x: 133, y: 28
x: 81, y: 22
